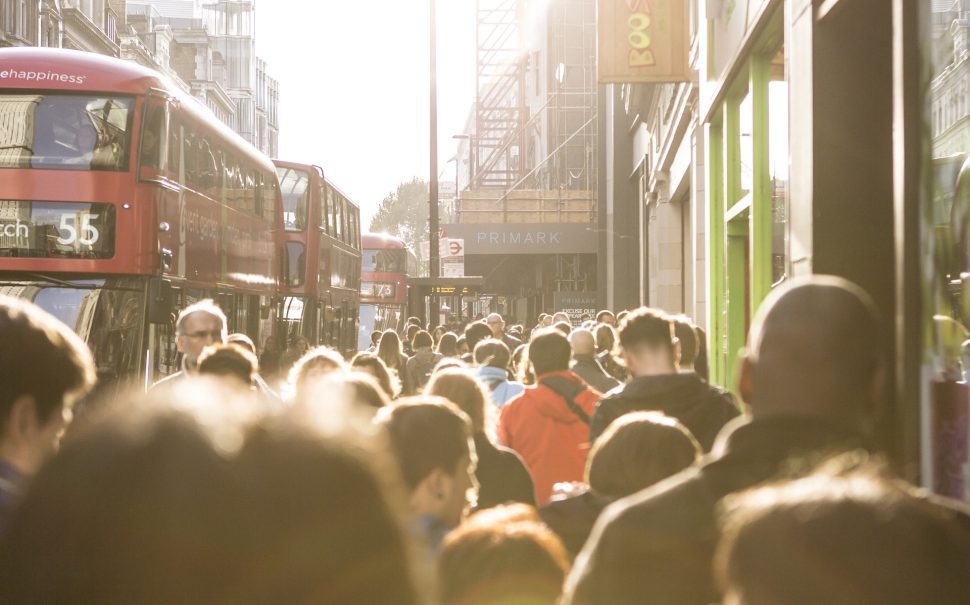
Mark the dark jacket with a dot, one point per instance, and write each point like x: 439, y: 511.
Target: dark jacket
x: 587, y: 368
x: 419, y: 367
x: 511, y: 342
x: 572, y: 518
x: 657, y: 546
x: 502, y: 476
x: 702, y: 408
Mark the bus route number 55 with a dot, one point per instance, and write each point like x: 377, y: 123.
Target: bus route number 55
x: 79, y: 229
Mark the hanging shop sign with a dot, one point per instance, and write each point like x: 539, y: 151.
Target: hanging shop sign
x: 643, y: 41
x: 575, y: 304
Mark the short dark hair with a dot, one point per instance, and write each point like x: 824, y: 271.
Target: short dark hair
x: 605, y: 337
x: 647, y: 327
x: 687, y: 336
x: 492, y: 352
x: 42, y: 358
x: 604, y: 313
x: 228, y: 360
x: 414, y: 321
x: 638, y: 450
x: 426, y: 434
x: 421, y: 339
x: 476, y: 332
x: 549, y: 351
x: 375, y: 337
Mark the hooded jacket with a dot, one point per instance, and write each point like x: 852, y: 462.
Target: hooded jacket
x: 702, y: 408
x: 501, y: 389
x: 551, y: 438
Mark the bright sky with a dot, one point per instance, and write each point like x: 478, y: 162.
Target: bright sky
x: 354, y: 87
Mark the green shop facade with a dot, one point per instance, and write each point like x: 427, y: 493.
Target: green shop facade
x: 817, y: 126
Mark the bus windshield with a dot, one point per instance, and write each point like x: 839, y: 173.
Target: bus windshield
x: 65, y: 131
x: 296, y: 187
x: 383, y: 261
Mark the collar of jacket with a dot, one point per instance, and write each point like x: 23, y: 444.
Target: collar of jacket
x: 585, y: 360
x: 568, y: 374
x: 492, y: 372
x: 778, y: 445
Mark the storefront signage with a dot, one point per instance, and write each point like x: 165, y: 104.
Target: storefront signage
x: 575, y: 304
x: 525, y: 238
x: 643, y: 41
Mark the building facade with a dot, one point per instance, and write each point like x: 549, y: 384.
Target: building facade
x: 528, y: 163
x: 818, y: 138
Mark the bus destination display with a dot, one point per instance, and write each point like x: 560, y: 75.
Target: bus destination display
x: 66, y: 230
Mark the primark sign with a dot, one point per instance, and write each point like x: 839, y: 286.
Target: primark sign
x: 525, y: 238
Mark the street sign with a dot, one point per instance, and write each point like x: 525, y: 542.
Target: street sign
x: 456, y: 247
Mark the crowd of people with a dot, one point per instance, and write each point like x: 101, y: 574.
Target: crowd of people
x: 589, y: 464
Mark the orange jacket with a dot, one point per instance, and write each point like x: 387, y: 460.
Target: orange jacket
x: 550, y: 437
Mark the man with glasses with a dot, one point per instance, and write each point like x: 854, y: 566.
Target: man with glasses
x: 198, y: 326
x: 496, y: 324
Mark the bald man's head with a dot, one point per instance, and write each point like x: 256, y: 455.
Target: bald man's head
x: 582, y: 341
x: 814, y: 349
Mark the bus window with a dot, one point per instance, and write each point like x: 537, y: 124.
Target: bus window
x: 331, y: 201
x: 338, y: 218
x: 296, y: 264
x: 324, y: 206
x: 249, y: 193
x: 295, y: 185
x: 152, y: 136
x: 65, y: 131
x: 270, y: 192
x: 174, y: 147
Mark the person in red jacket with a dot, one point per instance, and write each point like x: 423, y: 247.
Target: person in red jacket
x: 548, y: 424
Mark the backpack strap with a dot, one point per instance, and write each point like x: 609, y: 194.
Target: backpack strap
x: 568, y: 390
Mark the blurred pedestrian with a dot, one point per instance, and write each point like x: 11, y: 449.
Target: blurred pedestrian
x: 197, y: 326
x: 606, y: 317
x: 492, y: 359
x: 370, y: 363
x: 392, y: 354
x: 650, y: 351
x: 46, y: 368
x: 852, y: 539
x: 584, y: 363
x: 493, y: 559
x: 314, y: 365
x: 812, y: 376
x: 474, y: 333
x: 501, y: 475
x: 419, y: 366
x: 229, y: 362
x: 548, y: 424
x: 636, y: 451
x: 431, y: 440
x: 448, y: 345
x: 605, y: 343
x: 496, y: 324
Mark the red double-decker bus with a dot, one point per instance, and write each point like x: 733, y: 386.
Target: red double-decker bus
x: 321, y: 283
x: 386, y: 263
x: 123, y: 199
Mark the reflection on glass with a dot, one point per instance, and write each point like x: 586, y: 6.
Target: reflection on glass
x: 383, y: 261
x: 778, y: 161
x: 746, y: 123
x: 108, y: 315
x: 296, y: 264
x: 296, y: 197
x: 63, y: 131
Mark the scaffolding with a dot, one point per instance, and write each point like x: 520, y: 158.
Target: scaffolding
x: 500, y: 109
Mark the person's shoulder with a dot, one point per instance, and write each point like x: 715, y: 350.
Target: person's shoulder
x: 674, y: 509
